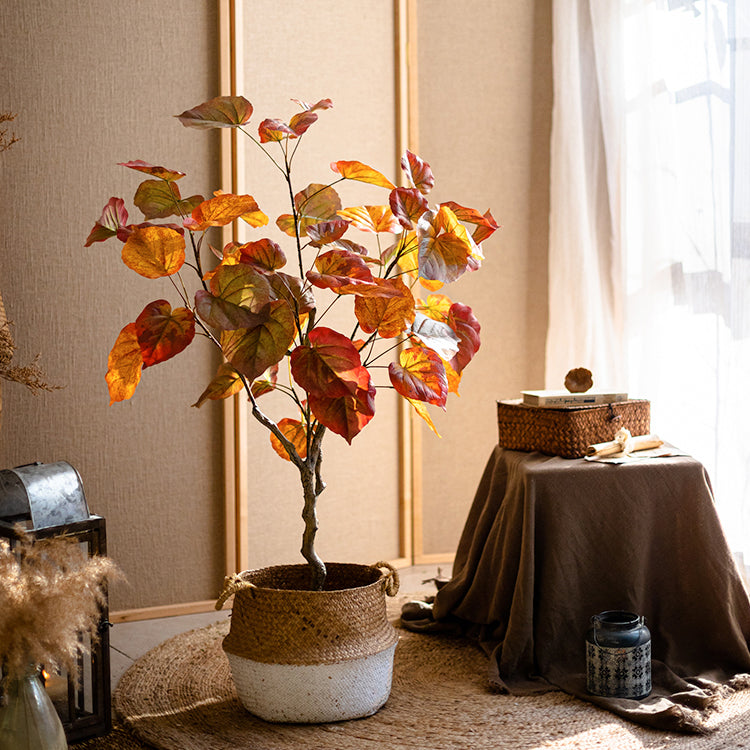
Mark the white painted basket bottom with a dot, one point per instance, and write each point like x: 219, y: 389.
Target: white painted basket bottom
x: 314, y: 694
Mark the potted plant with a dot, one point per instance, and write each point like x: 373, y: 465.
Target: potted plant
x: 259, y: 315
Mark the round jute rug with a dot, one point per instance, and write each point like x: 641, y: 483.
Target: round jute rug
x: 180, y: 696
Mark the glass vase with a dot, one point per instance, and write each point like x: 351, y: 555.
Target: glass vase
x: 28, y: 721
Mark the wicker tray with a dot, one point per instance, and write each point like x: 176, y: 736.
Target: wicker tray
x: 568, y: 432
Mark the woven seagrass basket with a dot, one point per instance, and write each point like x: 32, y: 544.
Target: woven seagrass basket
x: 311, y: 656
x: 568, y: 431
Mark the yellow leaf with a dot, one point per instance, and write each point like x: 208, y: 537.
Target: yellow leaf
x: 124, y: 365
x: 154, y: 251
x: 356, y: 170
x: 226, y: 383
x: 372, y: 218
x: 421, y: 409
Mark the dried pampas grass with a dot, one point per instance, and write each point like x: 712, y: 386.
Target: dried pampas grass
x: 50, y: 593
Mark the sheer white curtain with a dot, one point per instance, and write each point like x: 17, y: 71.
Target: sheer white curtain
x: 650, y: 221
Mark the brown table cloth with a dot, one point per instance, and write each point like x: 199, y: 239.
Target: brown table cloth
x: 549, y: 542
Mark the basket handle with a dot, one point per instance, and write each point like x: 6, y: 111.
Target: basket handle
x: 232, y: 584
x: 390, y: 579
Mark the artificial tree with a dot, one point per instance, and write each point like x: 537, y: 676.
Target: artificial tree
x: 258, y: 315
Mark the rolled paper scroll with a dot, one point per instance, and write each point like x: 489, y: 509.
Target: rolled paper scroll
x: 624, y: 443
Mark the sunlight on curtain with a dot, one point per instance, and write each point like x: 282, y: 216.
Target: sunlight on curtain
x: 678, y: 71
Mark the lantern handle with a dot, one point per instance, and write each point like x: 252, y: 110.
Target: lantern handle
x: 232, y: 584
x: 390, y: 579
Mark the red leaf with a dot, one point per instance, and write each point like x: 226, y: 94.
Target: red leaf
x: 302, y: 121
x: 420, y: 375
x: 124, y: 365
x: 328, y: 365
x: 113, y: 217
x: 221, y: 112
x: 407, y: 204
x: 155, y: 171
x: 348, y: 414
x: 462, y: 320
x: 418, y: 172
x: 163, y: 332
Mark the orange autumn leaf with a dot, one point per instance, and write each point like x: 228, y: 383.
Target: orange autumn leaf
x: 124, y: 365
x: 295, y: 432
x: 163, y: 332
x: 419, y: 375
x: 373, y: 219
x: 226, y: 383
x: 389, y: 316
x: 223, y: 209
x: 154, y: 251
x: 356, y: 170
x: 340, y: 270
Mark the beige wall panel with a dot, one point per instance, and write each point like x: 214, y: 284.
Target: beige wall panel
x: 485, y: 97
x: 94, y: 83
x: 343, y: 51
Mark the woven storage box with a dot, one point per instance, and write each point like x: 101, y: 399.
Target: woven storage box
x: 568, y: 432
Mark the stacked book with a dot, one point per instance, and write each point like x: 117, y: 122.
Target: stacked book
x: 561, y: 399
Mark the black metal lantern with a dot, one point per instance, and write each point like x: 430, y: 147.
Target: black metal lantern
x: 47, y: 500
